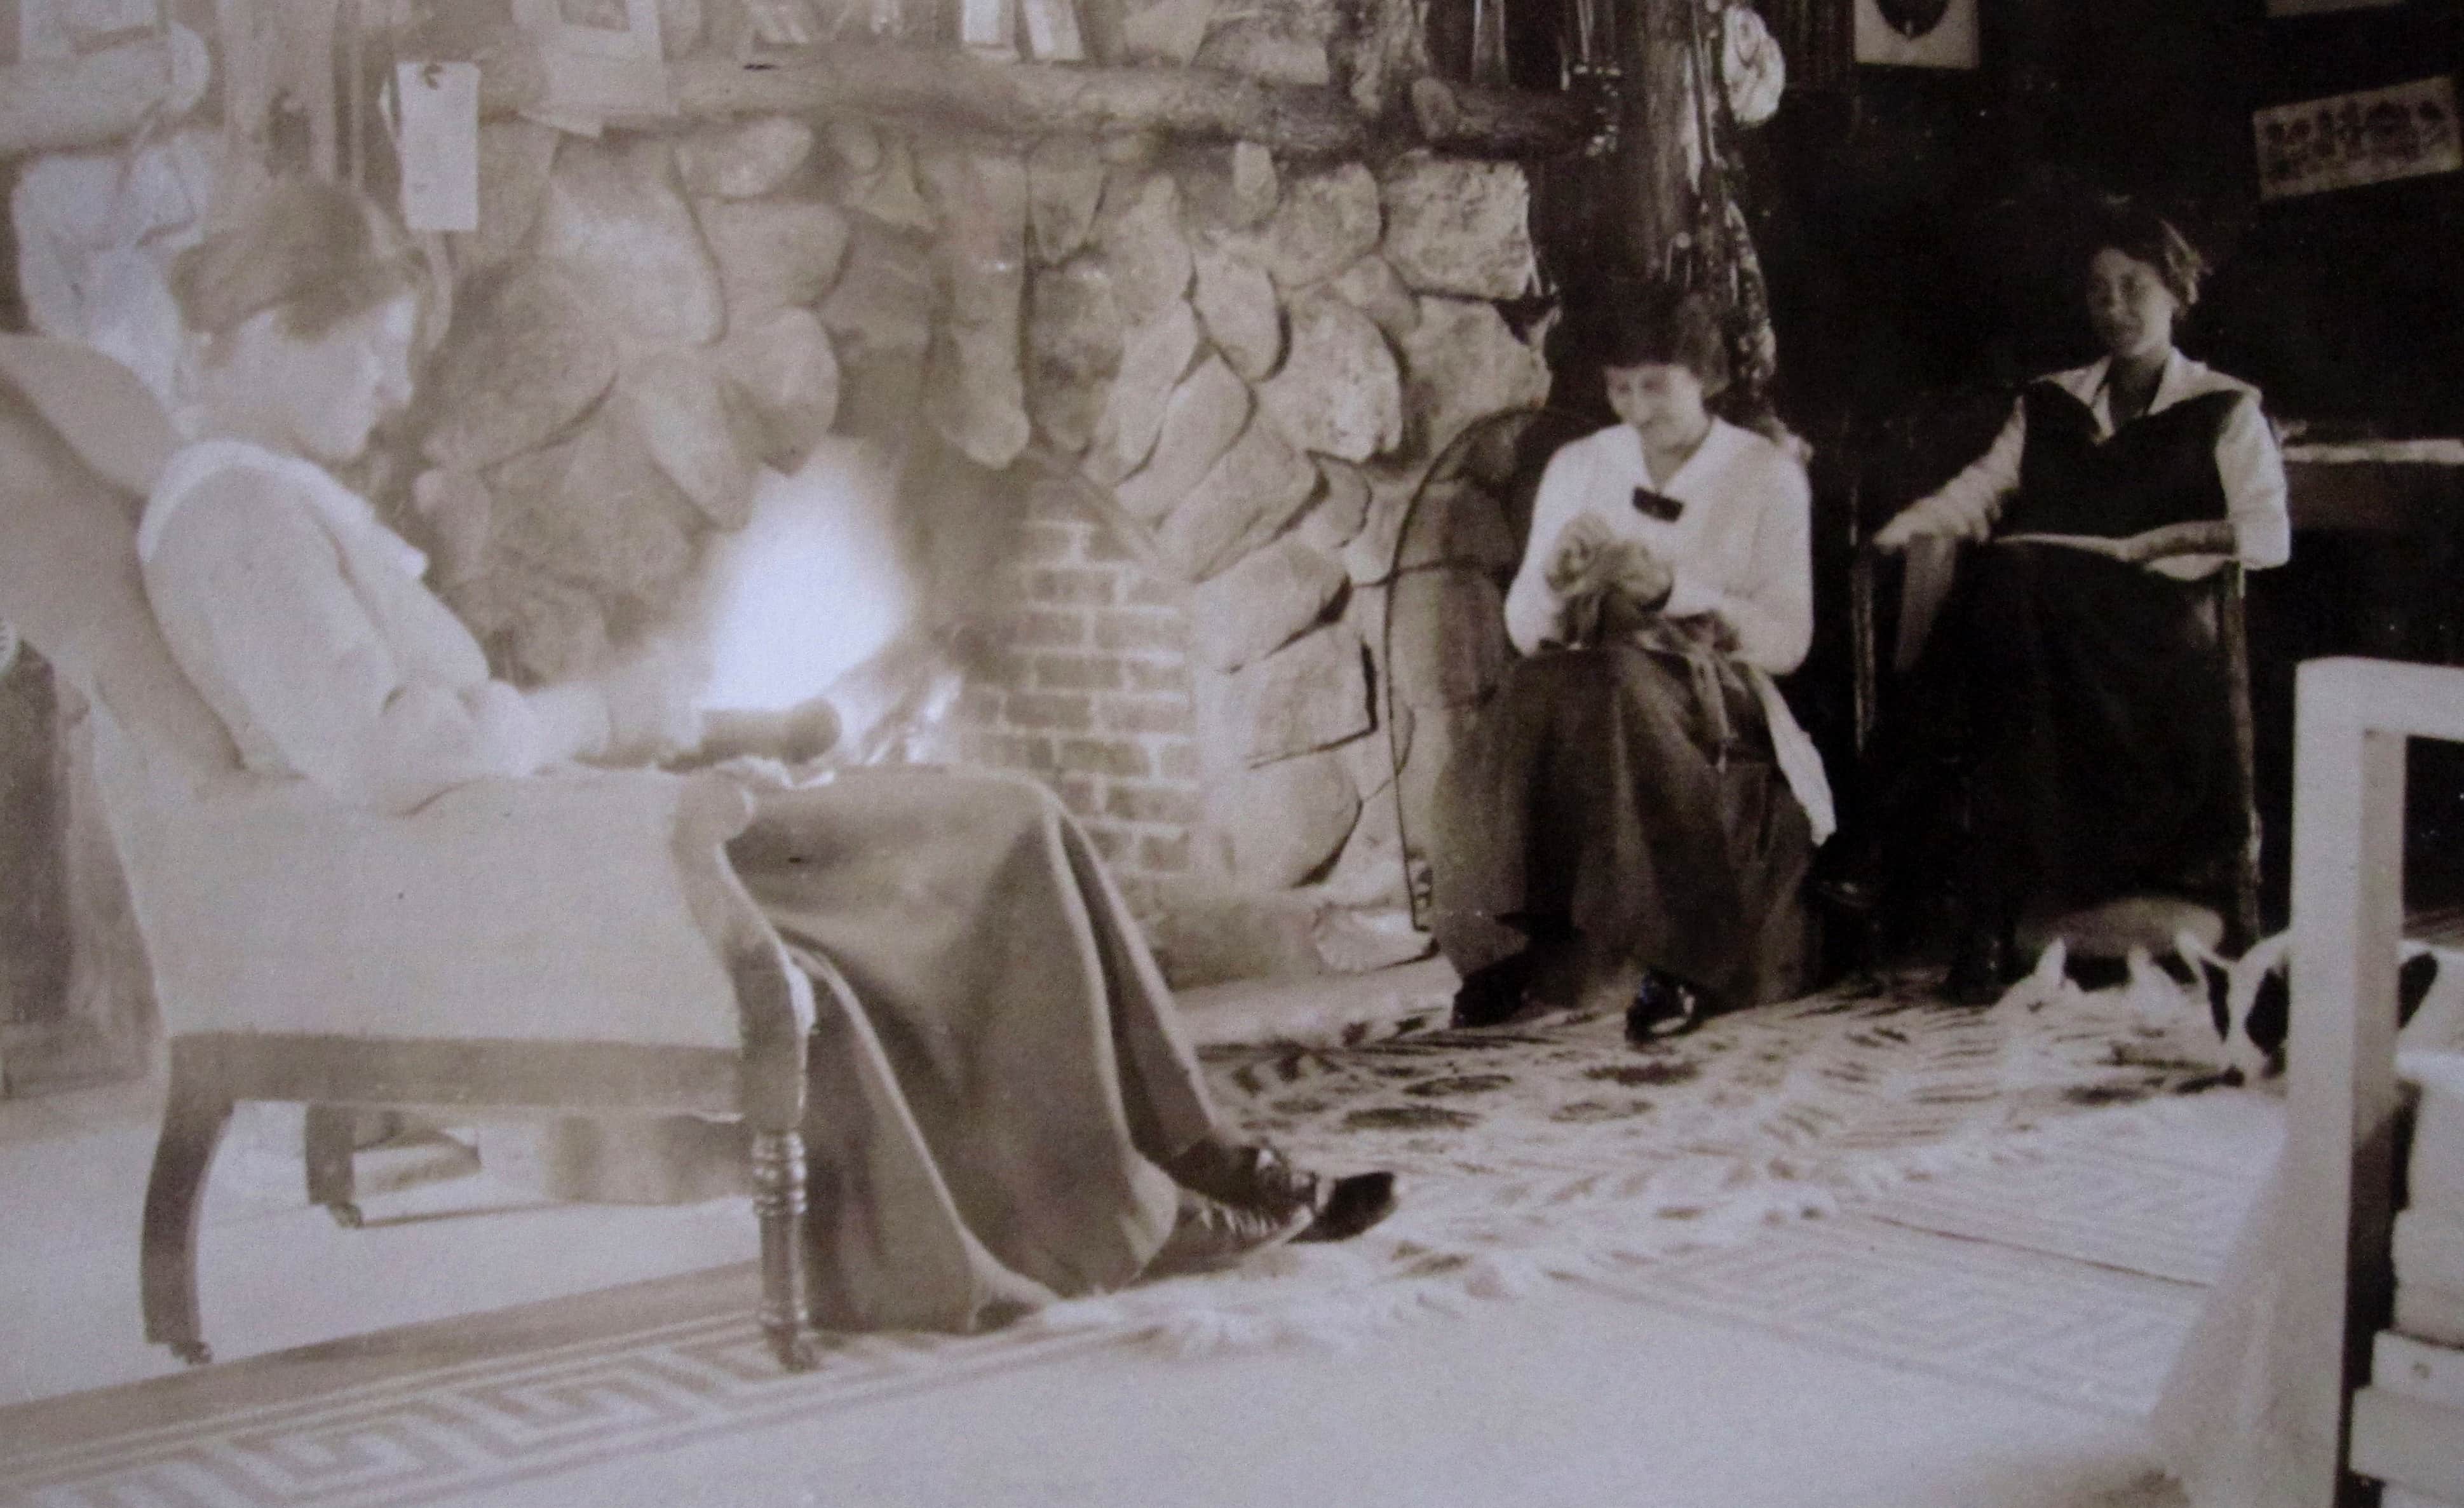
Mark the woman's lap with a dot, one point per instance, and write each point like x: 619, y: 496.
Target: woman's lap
x: 1593, y: 795
x: 2101, y: 706
x: 1007, y: 1063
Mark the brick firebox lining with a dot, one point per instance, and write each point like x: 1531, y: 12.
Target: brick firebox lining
x: 1088, y: 690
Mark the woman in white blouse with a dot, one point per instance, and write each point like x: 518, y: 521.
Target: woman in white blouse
x: 2076, y: 640
x: 1630, y: 818
x: 1015, y: 1116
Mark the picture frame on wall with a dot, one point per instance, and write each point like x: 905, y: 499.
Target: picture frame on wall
x: 1917, y: 33
x: 2348, y: 140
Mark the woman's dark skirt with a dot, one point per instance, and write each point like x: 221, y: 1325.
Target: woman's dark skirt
x: 1596, y: 811
x: 2097, y: 700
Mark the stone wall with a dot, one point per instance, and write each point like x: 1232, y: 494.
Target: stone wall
x: 1244, y: 370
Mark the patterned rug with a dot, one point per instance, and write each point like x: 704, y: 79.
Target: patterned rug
x: 1530, y: 1154
x: 2072, y: 1274
x: 1557, y: 1149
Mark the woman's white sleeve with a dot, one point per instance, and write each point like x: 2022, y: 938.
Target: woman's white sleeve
x: 1774, y: 619
x: 247, y: 582
x: 1969, y: 503
x: 2251, y: 469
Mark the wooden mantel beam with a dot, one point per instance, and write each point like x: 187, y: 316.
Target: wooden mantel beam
x: 72, y: 103
x: 948, y: 89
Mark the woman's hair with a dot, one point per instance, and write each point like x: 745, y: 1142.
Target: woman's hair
x: 2141, y: 235
x: 1666, y: 328
x: 320, y: 252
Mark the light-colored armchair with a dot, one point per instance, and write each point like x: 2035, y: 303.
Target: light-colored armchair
x: 572, y: 940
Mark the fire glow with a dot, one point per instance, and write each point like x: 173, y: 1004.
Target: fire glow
x: 814, y: 584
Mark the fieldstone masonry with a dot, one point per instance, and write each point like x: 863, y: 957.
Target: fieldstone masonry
x: 1249, y: 367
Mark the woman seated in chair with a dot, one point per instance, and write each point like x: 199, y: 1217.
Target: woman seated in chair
x: 1008, y: 1114
x: 2078, y: 639
x: 1630, y: 820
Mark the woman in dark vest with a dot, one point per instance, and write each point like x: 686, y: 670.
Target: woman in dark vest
x: 2094, y: 693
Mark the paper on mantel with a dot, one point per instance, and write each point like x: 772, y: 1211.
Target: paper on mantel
x: 439, y: 144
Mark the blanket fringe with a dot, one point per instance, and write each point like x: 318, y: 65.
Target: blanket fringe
x: 1337, y: 1298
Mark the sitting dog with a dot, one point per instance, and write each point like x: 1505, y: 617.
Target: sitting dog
x: 2241, y: 1009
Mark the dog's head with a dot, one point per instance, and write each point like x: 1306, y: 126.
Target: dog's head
x: 2249, y: 999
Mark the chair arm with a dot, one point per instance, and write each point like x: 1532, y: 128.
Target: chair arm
x: 1928, y: 567
x: 580, y: 907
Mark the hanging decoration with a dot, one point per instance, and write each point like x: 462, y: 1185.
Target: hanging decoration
x: 1752, y: 71
x: 1594, y: 67
x: 1717, y: 256
x: 437, y: 137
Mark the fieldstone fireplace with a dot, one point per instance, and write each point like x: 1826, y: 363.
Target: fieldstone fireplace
x: 1082, y: 456
x: 1054, y: 404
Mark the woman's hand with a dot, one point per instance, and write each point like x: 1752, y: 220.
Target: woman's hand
x: 758, y: 773
x: 2137, y: 550
x: 1905, y: 529
x: 800, y: 735
x: 1577, y: 549
x: 1644, y: 576
x: 651, y: 717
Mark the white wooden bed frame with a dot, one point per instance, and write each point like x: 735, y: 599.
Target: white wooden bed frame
x: 2354, y: 717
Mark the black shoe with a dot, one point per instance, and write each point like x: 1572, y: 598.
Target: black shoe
x: 1857, y: 894
x: 1251, y: 1174
x: 1210, y: 1234
x: 1985, y: 966
x: 1852, y: 884
x: 1352, y: 1206
x: 1492, y: 995
x: 1664, y: 1006
x: 1257, y: 1177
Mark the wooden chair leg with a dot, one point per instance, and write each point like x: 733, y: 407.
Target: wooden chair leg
x: 2242, y: 927
x: 779, y: 1202
x: 331, y: 1136
x: 192, y: 1127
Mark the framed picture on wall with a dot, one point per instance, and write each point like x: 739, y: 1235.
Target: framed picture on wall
x: 2346, y: 140
x: 1917, y: 33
